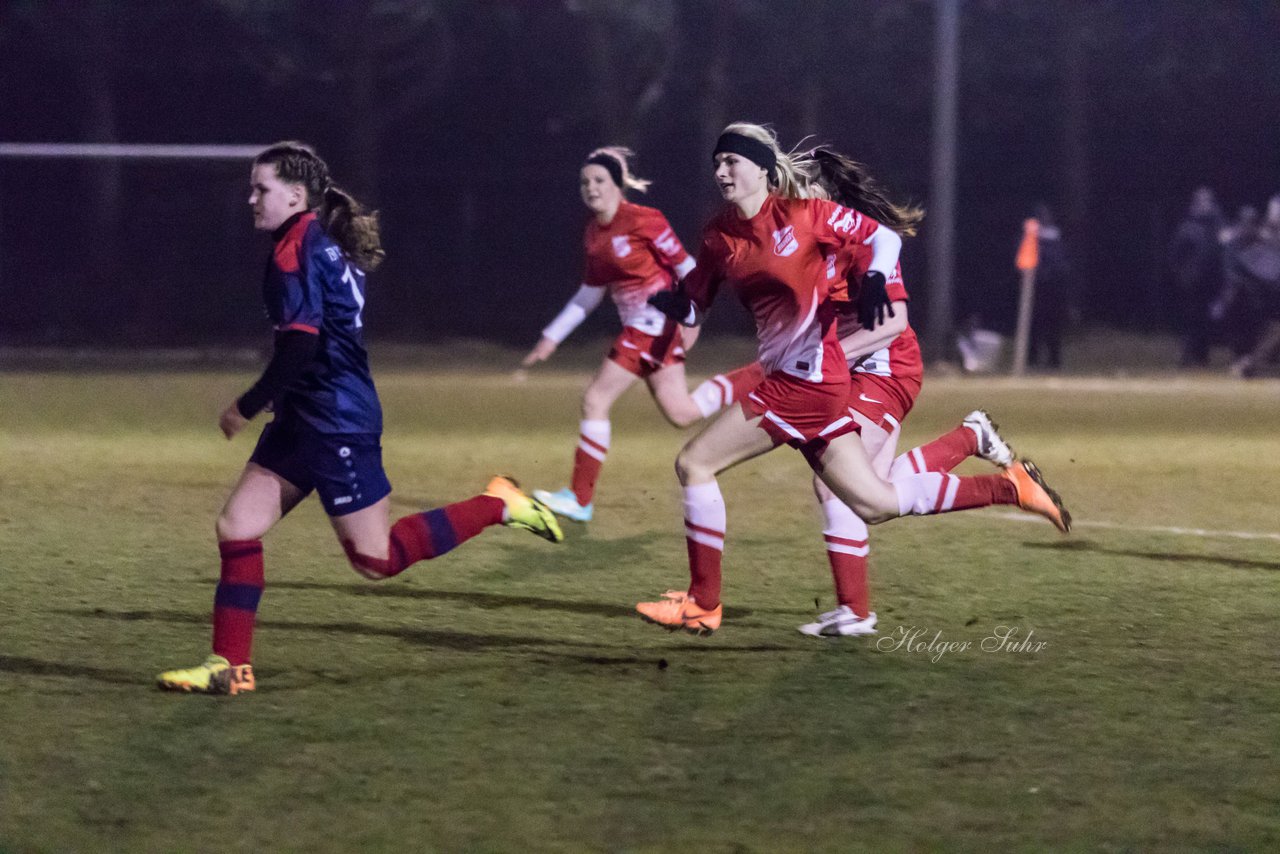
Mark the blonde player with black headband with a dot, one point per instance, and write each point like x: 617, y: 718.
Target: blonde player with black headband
x: 770, y: 244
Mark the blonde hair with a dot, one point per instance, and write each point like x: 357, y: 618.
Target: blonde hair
x: 820, y: 173
x: 623, y: 155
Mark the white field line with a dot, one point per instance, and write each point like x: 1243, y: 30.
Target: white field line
x: 1148, y: 529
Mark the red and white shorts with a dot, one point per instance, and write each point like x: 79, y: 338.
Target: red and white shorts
x: 803, y: 414
x: 644, y: 354
x: 876, y: 397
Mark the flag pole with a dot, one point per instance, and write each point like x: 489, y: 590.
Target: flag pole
x: 1027, y: 261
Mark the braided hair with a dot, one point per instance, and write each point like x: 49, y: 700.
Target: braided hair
x: 341, y: 216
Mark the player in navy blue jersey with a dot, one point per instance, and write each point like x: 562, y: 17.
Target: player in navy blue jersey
x: 326, y: 432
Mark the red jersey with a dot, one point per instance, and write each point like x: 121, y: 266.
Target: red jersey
x: 901, y: 359
x: 634, y: 256
x: 777, y: 263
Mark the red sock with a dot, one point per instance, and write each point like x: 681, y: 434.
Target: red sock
x: 933, y: 492
x: 704, y: 573
x: 983, y: 490
x: 704, y: 526
x: 945, y: 452
x: 850, y: 574
x: 846, y: 538
x: 586, y: 471
x: 235, y: 603
x: 423, y: 536
x: 588, y: 459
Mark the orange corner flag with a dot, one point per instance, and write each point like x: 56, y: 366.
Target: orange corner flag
x: 1029, y: 252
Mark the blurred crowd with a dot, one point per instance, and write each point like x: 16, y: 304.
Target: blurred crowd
x: 1226, y: 280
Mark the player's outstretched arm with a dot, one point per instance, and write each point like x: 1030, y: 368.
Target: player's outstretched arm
x: 540, y: 352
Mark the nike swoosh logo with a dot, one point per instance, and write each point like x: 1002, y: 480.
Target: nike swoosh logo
x: 869, y: 399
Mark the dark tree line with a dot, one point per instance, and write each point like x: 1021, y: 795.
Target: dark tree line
x: 465, y: 123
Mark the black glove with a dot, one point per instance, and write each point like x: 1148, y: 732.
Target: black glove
x: 674, y: 304
x: 873, y: 301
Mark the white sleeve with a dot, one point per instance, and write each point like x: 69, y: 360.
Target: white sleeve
x: 886, y: 244
x: 574, y: 312
x: 685, y: 267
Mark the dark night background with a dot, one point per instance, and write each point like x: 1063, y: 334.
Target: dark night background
x: 465, y: 124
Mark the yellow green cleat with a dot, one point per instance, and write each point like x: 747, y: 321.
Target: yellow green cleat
x: 215, y: 676
x: 523, y: 511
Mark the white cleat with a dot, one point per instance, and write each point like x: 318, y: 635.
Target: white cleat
x: 842, y: 622
x: 990, y: 446
x: 565, y: 503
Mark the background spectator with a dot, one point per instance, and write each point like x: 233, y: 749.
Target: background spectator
x: 1195, y: 263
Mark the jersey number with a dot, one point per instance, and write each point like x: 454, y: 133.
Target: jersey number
x: 349, y: 276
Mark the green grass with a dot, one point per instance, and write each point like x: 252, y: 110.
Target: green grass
x: 505, y: 697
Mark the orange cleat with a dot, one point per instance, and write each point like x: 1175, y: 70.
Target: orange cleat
x: 678, y: 610
x: 1035, y: 496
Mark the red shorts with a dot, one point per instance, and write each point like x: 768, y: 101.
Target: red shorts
x: 876, y: 397
x: 805, y: 415
x: 643, y: 354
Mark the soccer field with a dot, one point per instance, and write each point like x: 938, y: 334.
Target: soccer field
x: 507, y: 698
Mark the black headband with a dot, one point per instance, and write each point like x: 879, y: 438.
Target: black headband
x: 611, y: 164
x: 752, y: 149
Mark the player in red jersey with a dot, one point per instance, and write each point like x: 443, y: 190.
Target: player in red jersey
x: 886, y: 376
x: 325, y: 435
x: 631, y: 253
x: 887, y: 373
x: 770, y: 244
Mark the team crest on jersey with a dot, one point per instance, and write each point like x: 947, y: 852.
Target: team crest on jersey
x: 621, y: 246
x: 332, y: 252
x: 784, y: 241
x: 844, y: 219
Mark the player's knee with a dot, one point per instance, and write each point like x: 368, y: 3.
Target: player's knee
x: 371, y: 573
x: 679, y: 416
x: 595, y: 405
x: 232, y: 526
x: 690, y: 469
x: 373, y: 567
x: 871, y: 514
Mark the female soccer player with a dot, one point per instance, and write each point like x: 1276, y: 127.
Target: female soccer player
x: 770, y: 244
x: 887, y: 371
x: 328, y: 420
x: 632, y: 253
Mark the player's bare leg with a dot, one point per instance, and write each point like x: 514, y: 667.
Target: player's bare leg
x: 378, y: 550
x: 576, y: 502
x: 670, y: 389
x: 732, y: 438
x: 259, y: 499
x: 847, y: 542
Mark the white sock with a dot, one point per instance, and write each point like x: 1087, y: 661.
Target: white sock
x: 911, y: 462
x: 846, y: 527
x: 924, y: 494
x: 598, y: 432
x: 704, y: 514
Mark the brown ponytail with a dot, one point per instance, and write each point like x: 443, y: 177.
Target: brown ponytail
x: 352, y: 228
x: 342, y: 217
x: 847, y: 182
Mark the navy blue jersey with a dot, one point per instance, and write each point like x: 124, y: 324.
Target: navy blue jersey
x: 313, y: 287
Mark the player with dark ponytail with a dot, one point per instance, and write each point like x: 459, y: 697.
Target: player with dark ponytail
x: 326, y: 431
x: 787, y: 248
